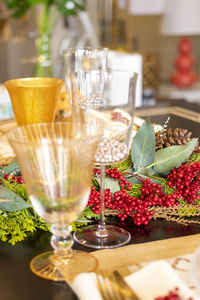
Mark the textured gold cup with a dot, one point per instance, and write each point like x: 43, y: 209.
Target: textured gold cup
x: 34, y: 100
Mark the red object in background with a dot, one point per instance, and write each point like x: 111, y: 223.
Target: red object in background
x: 184, y: 79
x: 184, y: 76
x: 184, y: 62
x: 185, y: 46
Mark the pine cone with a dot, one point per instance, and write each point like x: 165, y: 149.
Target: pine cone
x: 174, y: 137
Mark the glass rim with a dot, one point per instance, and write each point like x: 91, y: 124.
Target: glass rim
x: 70, y: 141
x: 13, y: 82
x: 73, y: 50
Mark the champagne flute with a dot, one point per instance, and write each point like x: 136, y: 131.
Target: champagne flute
x: 34, y: 99
x: 56, y: 164
x: 114, y: 91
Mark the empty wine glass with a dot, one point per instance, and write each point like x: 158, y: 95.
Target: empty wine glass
x: 106, y: 98
x: 34, y: 99
x: 56, y: 162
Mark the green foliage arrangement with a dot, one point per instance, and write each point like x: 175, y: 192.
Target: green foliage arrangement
x: 18, y: 219
x: 48, y: 14
x: 66, y: 7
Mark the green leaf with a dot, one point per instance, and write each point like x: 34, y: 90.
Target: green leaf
x: 168, y: 158
x: 111, y: 184
x: 12, y: 168
x: 143, y: 171
x: 12, y: 201
x: 135, y: 179
x: 143, y: 147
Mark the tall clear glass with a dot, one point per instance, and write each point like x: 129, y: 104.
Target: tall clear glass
x: 34, y: 100
x: 106, y: 98
x: 57, y: 165
x: 86, y: 60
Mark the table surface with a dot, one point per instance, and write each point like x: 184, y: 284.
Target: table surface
x: 18, y: 283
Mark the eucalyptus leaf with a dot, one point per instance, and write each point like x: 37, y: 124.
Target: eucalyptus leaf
x: 151, y: 171
x: 143, y: 171
x: 143, y: 147
x: 13, y: 167
x: 168, y: 158
x: 111, y: 184
x: 12, y: 202
x: 134, y: 179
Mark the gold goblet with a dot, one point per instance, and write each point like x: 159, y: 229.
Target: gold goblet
x: 34, y: 100
x: 56, y: 162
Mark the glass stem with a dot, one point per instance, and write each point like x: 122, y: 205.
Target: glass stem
x: 102, y: 232
x: 61, y: 241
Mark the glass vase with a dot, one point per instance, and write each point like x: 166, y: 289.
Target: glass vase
x: 47, y: 16
x: 43, y: 66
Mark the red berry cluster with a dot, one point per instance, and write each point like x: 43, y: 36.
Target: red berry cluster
x: 121, y: 201
x: 115, y: 174
x: 173, y: 295
x: 186, y: 181
x: 13, y: 178
x: 153, y: 195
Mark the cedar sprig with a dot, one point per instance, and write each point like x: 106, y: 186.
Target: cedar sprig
x: 135, y: 190
x: 125, y: 165
x: 195, y: 157
x: 164, y: 183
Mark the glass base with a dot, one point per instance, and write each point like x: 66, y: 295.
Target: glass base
x: 46, y: 266
x: 113, y: 237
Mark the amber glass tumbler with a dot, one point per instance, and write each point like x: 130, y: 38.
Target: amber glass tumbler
x: 34, y: 100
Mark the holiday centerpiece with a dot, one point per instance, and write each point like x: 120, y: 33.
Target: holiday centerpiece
x: 160, y: 179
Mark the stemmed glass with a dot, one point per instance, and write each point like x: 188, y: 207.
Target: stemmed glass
x: 106, y: 98
x: 34, y: 99
x: 56, y: 164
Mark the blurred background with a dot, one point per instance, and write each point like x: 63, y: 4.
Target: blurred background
x: 160, y: 39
